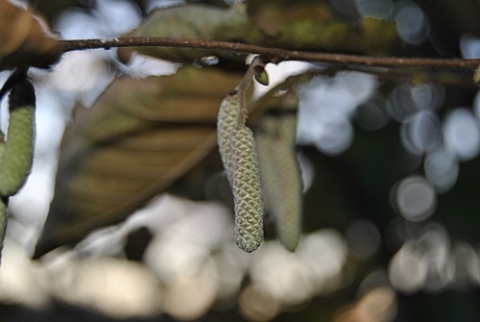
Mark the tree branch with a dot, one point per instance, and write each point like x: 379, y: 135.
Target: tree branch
x: 275, y: 54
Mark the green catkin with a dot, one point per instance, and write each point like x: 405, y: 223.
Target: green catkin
x: 281, y: 175
x: 16, y: 154
x: 3, y: 222
x: 288, y: 215
x: 3, y: 202
x: 17, y: 158
x: 227, y: 120
x: 246, y: 190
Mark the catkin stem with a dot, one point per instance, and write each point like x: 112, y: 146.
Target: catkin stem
x: 242, y: 93
x: 245, y: 84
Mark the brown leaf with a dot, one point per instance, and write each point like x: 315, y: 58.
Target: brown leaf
x: 24, y: 41
x: 137, y: 140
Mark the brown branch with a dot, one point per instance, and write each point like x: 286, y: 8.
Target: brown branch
x: 275, y: 54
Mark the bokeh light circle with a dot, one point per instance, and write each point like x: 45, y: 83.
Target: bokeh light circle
x: 414, y: 198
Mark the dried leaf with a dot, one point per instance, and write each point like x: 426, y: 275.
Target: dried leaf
x: 24, y: 41
x: 137, y: 140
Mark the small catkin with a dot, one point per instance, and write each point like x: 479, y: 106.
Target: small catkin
x: 281, y: 175
x: 289, y: 213
x: 227, y: 120
x: 17, y: 157
x: 3, y: 222
x: 247, y: 190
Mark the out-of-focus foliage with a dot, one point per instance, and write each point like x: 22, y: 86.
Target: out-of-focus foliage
x: 294, y: 27
x: 24, y: 41
x: 139, y: 138
x: 51, y: 9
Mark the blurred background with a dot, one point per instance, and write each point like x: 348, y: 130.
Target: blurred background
x: 390, y: 167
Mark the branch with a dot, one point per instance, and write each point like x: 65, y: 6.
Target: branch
x: 275, y: 54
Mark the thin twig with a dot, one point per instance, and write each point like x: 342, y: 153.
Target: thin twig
x: 245, y: 83
x: 275, y: 54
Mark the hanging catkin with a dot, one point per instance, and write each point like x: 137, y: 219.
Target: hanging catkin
x: 239, y: 156
x: 246, y: 190
x: 16, y: 153
x: 280, y: 172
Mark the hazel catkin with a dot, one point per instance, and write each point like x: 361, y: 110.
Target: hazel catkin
x: 247, y: 190
x: 281, y: 179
